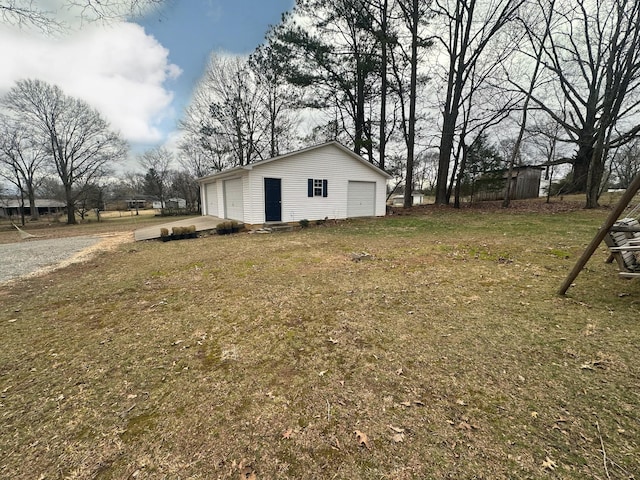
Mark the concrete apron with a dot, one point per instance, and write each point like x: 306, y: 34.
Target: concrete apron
x: 202, y: 223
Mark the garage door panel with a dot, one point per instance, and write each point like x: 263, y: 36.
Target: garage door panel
x: 212, y: 199
x: 361, y: 199
x: 233, y: 204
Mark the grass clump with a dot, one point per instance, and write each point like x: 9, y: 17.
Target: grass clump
x: 224, y: 228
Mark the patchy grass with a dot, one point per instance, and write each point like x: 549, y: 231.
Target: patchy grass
x: 225, y: 357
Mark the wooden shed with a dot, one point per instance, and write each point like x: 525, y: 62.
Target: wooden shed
x: 525, y: 183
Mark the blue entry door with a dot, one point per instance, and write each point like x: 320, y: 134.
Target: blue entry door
x: 273, y: 199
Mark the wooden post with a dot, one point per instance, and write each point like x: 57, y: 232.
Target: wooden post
x: 626, y: 198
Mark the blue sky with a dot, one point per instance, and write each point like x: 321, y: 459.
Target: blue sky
x: 192, y: 29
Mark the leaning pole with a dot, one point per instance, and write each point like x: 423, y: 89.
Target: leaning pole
x: 626, y: 198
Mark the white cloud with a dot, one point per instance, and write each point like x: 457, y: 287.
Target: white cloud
x: 118, y: 69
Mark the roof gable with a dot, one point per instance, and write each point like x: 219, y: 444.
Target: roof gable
x: 258, y: 164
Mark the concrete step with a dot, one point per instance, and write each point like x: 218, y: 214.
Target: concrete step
x: 278, y: 227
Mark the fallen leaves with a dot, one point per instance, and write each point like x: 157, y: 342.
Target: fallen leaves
x: 159, y: 304
x: 466, y: 426
x: 398, y: 434
x: 398, y: 438
x: 559, y: 425
x: 359, y: 256
x: 248, y: 473
x: 599, y: 362
x: 549, y: 464
x: 362, y: 439
x: 465, y: 423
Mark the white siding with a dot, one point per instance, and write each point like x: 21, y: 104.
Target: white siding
x: 327, y: 163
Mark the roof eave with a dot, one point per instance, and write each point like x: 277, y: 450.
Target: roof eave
x: 352, y: 154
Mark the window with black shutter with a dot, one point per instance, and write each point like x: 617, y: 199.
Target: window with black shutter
x: 317, y: 187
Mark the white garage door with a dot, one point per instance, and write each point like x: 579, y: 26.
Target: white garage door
x: 233, y: 207
x: 211, y: 194
x: 361, y: 199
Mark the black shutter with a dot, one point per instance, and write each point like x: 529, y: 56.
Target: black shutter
x: 310, y: 187
x: 324, y: 188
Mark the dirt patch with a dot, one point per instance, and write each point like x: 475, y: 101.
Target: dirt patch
x: 108, y: 242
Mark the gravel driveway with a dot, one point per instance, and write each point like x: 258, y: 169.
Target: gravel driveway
x: 24, y: 258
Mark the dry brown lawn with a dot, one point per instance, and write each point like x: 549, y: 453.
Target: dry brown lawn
x: 445, y: 354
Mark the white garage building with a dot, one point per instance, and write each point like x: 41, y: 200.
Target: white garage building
x: 324, y: 181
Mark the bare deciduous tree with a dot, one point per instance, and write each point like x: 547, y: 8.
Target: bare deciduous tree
x: 470, y: 27
x: 75, y: 137
x: 592, y: 66
x: 21, y: 161
x: 184, y: 185
x: 513, y: 155
x: 30, y: 13
x: 225, y: 117
x: 157, y: 164
x: 626, y: 163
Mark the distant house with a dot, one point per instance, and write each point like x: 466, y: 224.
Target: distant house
x: 10, y: 207
x: 170, y: 203
x: 323, y: 181
x: 525, y: 183
x: 134, y: 204
x: 417, y: 198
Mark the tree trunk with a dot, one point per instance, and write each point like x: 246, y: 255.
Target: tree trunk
x: 35, y: 215
x: 581, y: 165
x: 460, y: 177
x: 273, y: 98
x: 22, y: 221
x: 383, y: 86
x: 408, y: 190
x: 455, y: 84
x: 446, y: 147
x: 596, y: 169
x: 359, y: 126
x: 71, y: 214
